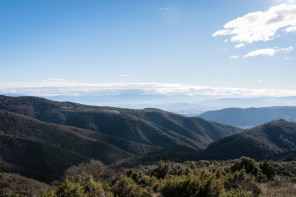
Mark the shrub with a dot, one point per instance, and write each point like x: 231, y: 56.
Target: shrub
x: 161, y: 170
x: 126, y: 187
x: 202, y: 184
x: 69, y: 189
x: 267, y: 169
x: 245, y: 163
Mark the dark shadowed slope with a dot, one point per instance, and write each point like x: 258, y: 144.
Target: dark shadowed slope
x: 149, y: 127
x: 263, y: 142
x: 250, y: 117
x: 274, y: 140
x: 45, y: 150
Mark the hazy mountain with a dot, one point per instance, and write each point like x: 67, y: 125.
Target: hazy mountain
x: 192, y: 105
x: 250, y: 117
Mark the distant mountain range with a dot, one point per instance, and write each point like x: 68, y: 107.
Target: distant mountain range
x: 41, y: 138
x: 250, y: 117
x: 189, y: 105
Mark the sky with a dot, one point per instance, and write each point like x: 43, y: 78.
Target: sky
x: 207, y: 47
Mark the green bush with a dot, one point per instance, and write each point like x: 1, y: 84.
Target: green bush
x: 241, y: 180
x: 70, y: 189
x: 161, y: 170
x: 126, y: 187
x: 202, y: 184
x: 267, y: 169
x: 246, y: 163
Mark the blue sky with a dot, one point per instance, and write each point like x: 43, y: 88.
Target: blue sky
x: 161, y: 46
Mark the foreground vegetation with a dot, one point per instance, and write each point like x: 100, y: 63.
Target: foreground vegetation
x: 241, y: 177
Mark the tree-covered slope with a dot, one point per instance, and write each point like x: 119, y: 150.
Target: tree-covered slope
x: 250, y: 117
x: 263, y: 142
x: 45, y: 150
x: 149, y: 126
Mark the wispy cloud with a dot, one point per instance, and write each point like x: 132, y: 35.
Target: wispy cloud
x: 285, y: 50
x: 260, y: 26
x: 164, y: 10
x: 289, y: 58
x: 233, y: 57
x: 77, y: 89
x: 168, y: 8
x: 124, y: 75
x: 239, y: 45
x: 268, y: 51
x: 56, y: 79
x: 284, y: 1
x: 291, y: 29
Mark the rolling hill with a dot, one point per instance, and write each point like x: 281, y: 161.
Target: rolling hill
x: 266, y: 141
x: 250, y: 117
x: 275, y: 140
x: 151, y: 127
x: 45, y: 150
x: 40, y: 138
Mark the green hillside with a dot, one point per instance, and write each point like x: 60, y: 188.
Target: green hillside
x: 48, y: 149
x: 263, y: 142
x: 42, y: 138
x: 149, y: 126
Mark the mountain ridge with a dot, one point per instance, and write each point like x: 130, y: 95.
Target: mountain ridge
x: 250, y: 117
x: 134, y: 125
x: 45, y: 130
x: 266, y: 141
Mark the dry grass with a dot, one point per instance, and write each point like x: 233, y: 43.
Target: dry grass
x: 279, y: 187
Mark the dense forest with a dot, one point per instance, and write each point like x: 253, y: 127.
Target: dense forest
x: 52, y: 148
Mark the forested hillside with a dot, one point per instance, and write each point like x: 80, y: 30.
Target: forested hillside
x: 266, y: 141
x: 148, y: 126
x: 41, y: 138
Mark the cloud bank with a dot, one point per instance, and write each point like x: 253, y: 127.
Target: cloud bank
x: 88, y: 89
x: 260, y: 26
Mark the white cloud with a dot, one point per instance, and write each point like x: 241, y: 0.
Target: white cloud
x: 260, y: 80
x: 124, y: 75
x: 239, y: 45
x: 285, y: 50
x: 268, y: 51
x: 291, y: 29
x: 77, y: 89
x: 233, y: 57
x: 260, y: 26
